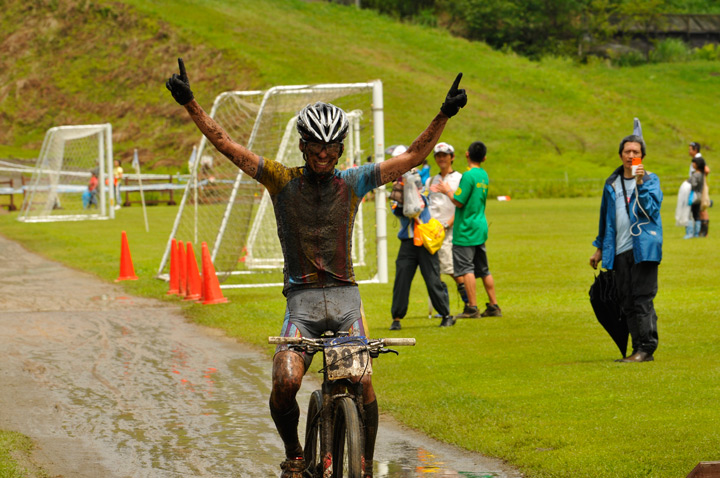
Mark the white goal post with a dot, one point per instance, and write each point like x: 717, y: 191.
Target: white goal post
x: 233, y: 213
x: 58, y: 189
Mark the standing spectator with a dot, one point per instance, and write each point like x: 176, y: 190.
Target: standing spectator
x: 424, y: 171
x: 410, y: 256
x: 117, y: 176
x: 694, y: 152
x: 704, y: 217
x: 89, y: 197
x: 629, y: 242
x: 697, y: 181
x: 470, y: 232
x: 443, y: 209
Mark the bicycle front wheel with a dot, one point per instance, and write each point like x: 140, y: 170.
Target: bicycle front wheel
x: 312, y: 435
x: 347, y: 440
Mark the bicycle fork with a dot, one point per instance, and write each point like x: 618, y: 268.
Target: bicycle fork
x: 331, y: 392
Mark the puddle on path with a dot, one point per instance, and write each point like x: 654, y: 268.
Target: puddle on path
x: 118, y: 386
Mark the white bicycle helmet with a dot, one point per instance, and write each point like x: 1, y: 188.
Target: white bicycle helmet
x: 322, y: 122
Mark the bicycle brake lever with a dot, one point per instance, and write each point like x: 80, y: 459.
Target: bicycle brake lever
x: 302, y: 348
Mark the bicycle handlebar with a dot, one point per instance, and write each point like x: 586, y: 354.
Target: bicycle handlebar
x: 300, y: 340
x: 398, y: 341
x: 284, y: 340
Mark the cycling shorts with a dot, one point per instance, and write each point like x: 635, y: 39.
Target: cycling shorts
x: 311, y: 312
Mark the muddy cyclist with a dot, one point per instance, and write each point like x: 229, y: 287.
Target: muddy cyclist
x: 315, y: 207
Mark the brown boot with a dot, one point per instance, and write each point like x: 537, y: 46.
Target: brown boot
x: 704, y: 226
x: 639, y: 356
x: 470, y: 312
x: 491, y: 311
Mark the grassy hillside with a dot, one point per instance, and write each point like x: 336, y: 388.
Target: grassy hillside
x: 549, y: 125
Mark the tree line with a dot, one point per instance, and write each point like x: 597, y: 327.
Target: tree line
x: 536, y: 28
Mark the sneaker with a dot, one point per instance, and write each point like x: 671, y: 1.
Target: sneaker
x: 447, y: 321
x: 469, y: 312
x: 395, y: 325
x: 491, y: 311
x: 292, y: 468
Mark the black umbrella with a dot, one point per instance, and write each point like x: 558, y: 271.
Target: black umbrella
x: 604, y: 301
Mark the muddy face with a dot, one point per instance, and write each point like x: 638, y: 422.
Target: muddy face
x: 321, y: 157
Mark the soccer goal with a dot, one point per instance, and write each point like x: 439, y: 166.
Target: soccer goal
x: 59, y: 187
x: 234, y: 214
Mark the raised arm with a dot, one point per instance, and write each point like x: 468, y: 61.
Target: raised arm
x: 243, y: 158
x: 394, y: 167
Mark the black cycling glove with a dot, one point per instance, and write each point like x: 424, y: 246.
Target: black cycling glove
x: 455, y: 99
x: 179, y: 85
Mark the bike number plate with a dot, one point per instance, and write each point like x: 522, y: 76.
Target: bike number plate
x: 346, y: 361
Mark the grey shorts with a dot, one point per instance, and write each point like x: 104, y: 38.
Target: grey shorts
x: 311, y: 312
x: 467, y: 259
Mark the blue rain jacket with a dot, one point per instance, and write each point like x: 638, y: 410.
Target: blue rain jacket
x: 647, y: 238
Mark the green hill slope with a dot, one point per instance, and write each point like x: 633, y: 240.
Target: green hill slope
x: 548, y: 125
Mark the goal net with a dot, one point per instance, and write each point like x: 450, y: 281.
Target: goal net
x: 61, y: 183
x: 233, y: 213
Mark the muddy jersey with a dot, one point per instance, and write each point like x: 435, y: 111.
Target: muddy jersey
x: 315, y: 218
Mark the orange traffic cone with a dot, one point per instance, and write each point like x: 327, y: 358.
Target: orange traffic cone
x: 193, y: 275
x: 127, y: 271
x: 182, y: 269
x: 211, y: 286
x: 174, y: 277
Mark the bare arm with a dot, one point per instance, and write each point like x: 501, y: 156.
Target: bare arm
x: 423, y: 145
x: 243, y: 158
x: 455, y: 201
x: 393, y: 168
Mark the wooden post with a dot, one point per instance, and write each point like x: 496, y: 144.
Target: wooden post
x: 706, y: 469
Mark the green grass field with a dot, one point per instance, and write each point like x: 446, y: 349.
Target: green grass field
x: 537, y: 387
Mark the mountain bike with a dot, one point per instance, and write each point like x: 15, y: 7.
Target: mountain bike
x: 335, y: 435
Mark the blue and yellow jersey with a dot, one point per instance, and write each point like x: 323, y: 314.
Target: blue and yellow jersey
x: 315, y: 218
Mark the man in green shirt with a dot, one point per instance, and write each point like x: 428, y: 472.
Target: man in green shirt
x: 470, y: 231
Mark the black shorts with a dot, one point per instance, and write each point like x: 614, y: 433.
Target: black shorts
x: 467, y: 259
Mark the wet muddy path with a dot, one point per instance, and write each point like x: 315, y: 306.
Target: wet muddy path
x: 116, y: 386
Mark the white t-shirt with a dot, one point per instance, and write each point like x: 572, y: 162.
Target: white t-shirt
x: 441, y: 207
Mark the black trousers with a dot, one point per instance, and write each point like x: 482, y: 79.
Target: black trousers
x: 409, y: 258
x: 637, y: 286
x: 695, y: 209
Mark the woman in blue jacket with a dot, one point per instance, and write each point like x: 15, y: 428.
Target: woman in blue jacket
x: 629, y: 242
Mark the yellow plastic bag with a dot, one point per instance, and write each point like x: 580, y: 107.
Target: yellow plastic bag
x: 432, y: 234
